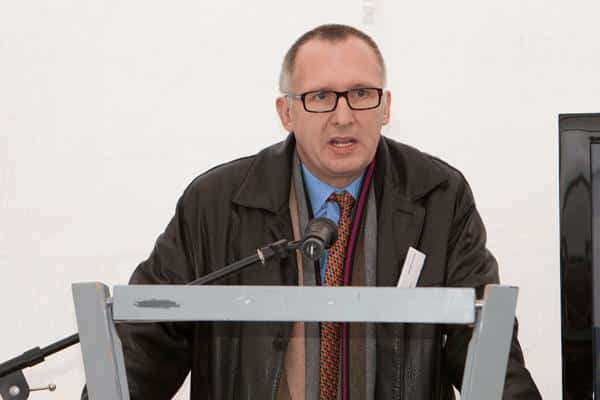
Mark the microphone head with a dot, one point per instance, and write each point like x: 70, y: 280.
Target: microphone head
x: 319, y: 235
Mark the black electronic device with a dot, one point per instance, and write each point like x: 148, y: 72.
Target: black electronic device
x: 579, y: 197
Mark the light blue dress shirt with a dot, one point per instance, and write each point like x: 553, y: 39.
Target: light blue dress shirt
x: 318, y: 193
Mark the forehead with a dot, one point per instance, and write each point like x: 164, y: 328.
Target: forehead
x: 335, y: 65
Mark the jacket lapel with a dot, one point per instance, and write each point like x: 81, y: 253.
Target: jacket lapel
x: 399, y: 225
x: 399, y: 184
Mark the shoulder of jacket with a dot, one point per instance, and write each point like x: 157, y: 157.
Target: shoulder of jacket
x: 221, y: 182
x: 216, y: 185
x: 419, y: 159
x: 423, y: 172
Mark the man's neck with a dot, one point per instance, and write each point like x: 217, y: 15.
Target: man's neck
x: 340, y: 182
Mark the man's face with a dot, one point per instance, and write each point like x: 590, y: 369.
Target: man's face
x: 335, y: 146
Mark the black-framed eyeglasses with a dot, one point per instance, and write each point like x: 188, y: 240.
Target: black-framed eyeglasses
x: 322, y: 101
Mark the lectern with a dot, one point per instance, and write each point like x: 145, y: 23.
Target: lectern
x: 97, y: 312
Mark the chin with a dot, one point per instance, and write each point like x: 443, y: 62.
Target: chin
x: 349, y: 167
x: 347, y: 173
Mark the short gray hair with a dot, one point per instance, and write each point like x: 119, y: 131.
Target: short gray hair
x: 330, y: 33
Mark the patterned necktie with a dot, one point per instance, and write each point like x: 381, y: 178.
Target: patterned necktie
x: 331, y: 331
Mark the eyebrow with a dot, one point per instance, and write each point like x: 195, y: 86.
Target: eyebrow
x: 354, y: 86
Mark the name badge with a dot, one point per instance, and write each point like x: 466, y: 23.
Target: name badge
x: 411, y: 270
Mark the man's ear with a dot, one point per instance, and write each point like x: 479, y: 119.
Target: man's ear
x: 387, y: 102
x: 283, y: 109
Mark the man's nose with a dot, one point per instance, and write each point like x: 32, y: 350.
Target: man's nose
x: 342, y: 115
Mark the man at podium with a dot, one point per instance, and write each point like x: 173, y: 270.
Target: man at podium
x: 388, y: 200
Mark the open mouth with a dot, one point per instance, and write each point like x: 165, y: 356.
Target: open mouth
x: 342, y: 142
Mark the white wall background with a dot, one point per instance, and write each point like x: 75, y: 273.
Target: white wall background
x: 109, y: 109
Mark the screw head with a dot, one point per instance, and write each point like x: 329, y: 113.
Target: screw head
x: 14, y: 391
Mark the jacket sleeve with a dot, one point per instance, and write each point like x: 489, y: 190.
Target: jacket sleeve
x: 470, y: 264
x: 158, y: 355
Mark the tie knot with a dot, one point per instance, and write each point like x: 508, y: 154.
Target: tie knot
x: 344, y: 200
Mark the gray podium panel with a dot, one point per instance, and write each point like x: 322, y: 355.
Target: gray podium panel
x: 100, y: 344
x: 289, y: 303
x: 487, y: 358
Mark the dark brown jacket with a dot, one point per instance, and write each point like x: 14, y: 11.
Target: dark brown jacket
x: 229, y: 211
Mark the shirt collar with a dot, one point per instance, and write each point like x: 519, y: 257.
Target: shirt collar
x: 319, y: 191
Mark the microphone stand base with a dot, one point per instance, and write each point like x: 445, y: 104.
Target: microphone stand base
x: 14, y: 386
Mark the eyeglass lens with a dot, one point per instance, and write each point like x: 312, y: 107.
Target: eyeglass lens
x: 358, y: 99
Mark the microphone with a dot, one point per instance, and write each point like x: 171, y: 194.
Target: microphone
x: 320, y: 234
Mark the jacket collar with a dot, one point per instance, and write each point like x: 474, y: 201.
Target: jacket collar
x: 404, y: 172
x: 267, y: 184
